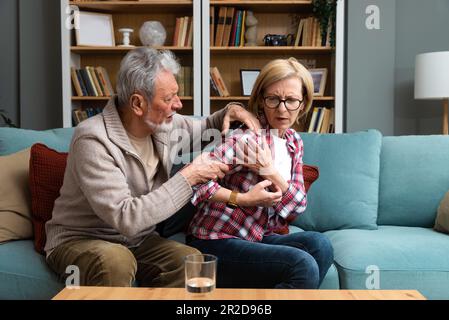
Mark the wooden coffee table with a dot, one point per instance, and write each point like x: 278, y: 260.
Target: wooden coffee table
x: 115, y: 293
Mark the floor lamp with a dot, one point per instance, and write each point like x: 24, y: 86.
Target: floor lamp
x: 432, y: 79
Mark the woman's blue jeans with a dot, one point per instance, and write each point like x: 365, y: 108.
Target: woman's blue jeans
x: 294, y: 261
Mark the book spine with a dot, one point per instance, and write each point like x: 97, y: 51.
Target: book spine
x: 176, y: 33
x: 220, y: 26
x: 81, y: 82
x: 75, y: 82
x: 87, y: 82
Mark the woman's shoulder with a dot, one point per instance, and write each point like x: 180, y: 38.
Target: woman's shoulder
x: 295, y: 135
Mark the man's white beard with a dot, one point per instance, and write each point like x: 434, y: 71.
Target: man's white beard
x: 158, y: 128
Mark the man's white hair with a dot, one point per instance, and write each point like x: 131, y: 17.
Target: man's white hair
x: 139, y: 69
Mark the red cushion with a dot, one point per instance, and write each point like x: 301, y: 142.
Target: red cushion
x: 310, y: 174
x: 47, y: 168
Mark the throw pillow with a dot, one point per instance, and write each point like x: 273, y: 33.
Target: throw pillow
x: 47, y: 168
x: 347, y: 194
x: 442, y: 220
x: 15, y: 207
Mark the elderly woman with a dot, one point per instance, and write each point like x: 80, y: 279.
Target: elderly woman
x: 238, y: 215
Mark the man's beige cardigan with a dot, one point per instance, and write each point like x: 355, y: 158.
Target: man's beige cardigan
x: 105, y: 193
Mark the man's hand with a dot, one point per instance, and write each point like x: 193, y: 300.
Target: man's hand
x: 259, y: 196
x: 203, y: 169
x: 236, y: 112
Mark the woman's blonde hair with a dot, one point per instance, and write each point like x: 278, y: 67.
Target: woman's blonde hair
x: 275, y: 71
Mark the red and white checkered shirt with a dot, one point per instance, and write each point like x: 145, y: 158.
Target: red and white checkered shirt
x: 215, y: 220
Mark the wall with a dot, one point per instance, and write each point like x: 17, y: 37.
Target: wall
x: 9, y: 61
x: 380, y: 65
x: 421, y: 26
x: 370, y: 59
x: 30, y: 79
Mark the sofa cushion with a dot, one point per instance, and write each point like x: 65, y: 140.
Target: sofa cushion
x: 15, y: 207
x: 406, y: 257
x: 47, y: 168
x: 24, y: 274
x: 13, y: 139
x: 442, y: 220
x: 346, y: 194
x: 413, y: 179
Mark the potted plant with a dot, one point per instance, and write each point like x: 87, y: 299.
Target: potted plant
x: 326, y: 12
x: 6, y: 120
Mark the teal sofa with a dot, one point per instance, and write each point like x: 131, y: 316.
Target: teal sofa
x: 376, y: 199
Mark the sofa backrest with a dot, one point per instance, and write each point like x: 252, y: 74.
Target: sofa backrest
x: 414, y: 176
x: 13, y: 140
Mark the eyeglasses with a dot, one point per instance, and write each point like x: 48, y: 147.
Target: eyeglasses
x: 291, y: 104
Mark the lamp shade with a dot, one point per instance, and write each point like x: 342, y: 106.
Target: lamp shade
x: 432, y: 75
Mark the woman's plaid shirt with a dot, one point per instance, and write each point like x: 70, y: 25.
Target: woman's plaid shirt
x: 215, y: 220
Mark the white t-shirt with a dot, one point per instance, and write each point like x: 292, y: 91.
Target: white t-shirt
x: 145, y: 150
x: 282, y: 158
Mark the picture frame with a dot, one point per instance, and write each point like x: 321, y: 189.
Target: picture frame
x: 319, y: 76
x: 95, y: 29
x: 247, y: 79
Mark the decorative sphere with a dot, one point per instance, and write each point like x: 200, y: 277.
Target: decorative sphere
x: 152, y: 33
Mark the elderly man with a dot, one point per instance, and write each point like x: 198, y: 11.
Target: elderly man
x: 117, y: 186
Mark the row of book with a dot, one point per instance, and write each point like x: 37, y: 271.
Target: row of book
x: 91, y: 82
x: 183, y: 35
x: 185, y: 81
x: 322, y: 120
x: 81, y: 114
x: 228, y: 28
x: 217, y: 85
x: 309, y: 33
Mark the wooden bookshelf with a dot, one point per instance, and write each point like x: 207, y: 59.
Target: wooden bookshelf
x: 246, y: 98
x: 75, y: 98
x: 122, y: 50
x: 274, y: 17
x: 134, y: 6
x: 125, y: 14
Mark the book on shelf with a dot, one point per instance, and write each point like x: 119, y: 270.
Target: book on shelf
x: 87, y: 83
x: 220, y: 26
x: 212, y: 24
x: 219, y: 82
x: 76, y: 82
x: 185, y: 81
x: 321, y: 120
x: 299, y: 32
x: 91, y: 82
x: 325, y: 124
x: 313, y: 120
x: 95, y: 81
x: 238, y: 32
x: 234, y: 28
x: 188, y: 81
x: 228, y: 26
x: 189, y: 34
x: 185, y: 24
x: 213, y: 88
x: 176, y: 32
x: 81, y: 114
x: 242, y: 36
